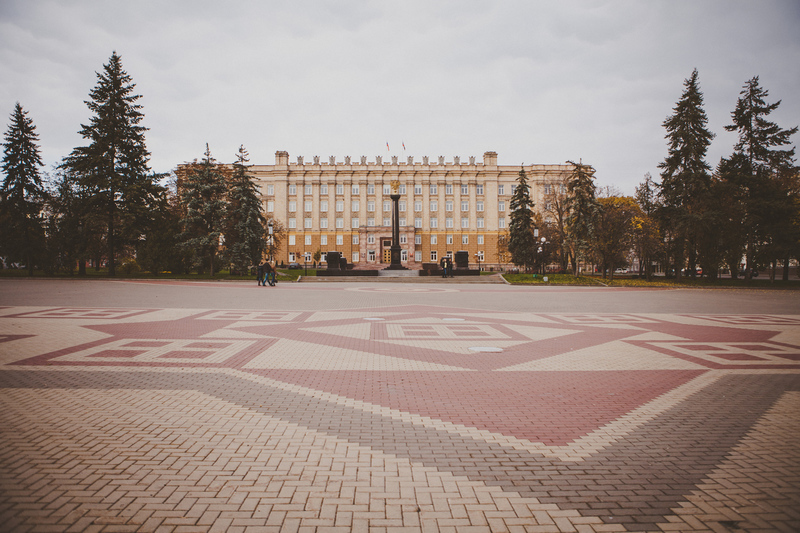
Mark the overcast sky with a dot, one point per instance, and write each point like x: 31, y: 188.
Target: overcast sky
x: 537, y: 82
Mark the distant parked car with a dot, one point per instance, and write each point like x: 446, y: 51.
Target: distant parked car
x: 294, y: 266
x: 621, y: 271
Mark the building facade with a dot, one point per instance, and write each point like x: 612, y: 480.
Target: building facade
x: 445, y: 206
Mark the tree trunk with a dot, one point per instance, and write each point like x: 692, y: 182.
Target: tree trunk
x: 785, y: 276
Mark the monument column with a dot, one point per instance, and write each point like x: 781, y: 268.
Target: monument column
x: 395, y: 250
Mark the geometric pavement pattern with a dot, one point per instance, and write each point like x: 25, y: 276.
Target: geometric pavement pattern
x: 418, y: 418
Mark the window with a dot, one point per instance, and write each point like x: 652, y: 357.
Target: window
x: 323, y: 189
x: 323, y: 258
x: 308, y: 240
x: 501, y: 223
x: 355, y: 257
x: 370, y: 188
x: 434, y: 222
x: 307, y: 222
x: 339, y: 223
x: 292, y: 223
x: 307, y: 206
x: 371, y: 256
x: 401, y: 205
x: 479, y: 189
x: 434, y: 206
x: 292, y: 206
x: 339, y: 206
x: 418, y: 256
x: 323, y: 240
x: 403, y: 255
x: 562, y: 189
x: 355, y: 205
x: 307, y: 257
x: 464, y: 222
x: 465, y: 239
x: 292, y: 189
x: 434, y: 256
x: 270, y: 190
x: 387, y: 205
x: 480, y: 255
x: 354, y: 222
x: 417, y: 239
x: 323, y: 206
x: 340, y: 188
x: 354, y: 189
x: 270, y: 206
x: 370, y: 239
x: 402, y: 222
x: 548, y: 206
x: 323, y: 223
x: 355, y: 239
x: 404, y: 239
x: 417, y: 206
x: 371, y: 207
x: 480, y: 223
x: 501, y: 206
x: 547, y: 188
x: 464, y: 189
x: 417, y: 188
x: 448, y: 222
x: 307, y: 190
x: 501, y: 189
x: 433, y: 188
x: 448, y: 189
x: 292, y: 257
x: 480, y: 239
x: 371, y: 222
x: 339, y: 240
x: 418, y: 222
x: 387, y: 222
x: 387, y: 189
x: 465, y: 206
x: 433, y: 239
x: 448, y: 205
x: 449, y: 239
x: 513, y: 189
x: 292, y: 241
x: 479, y: 206
x: 402, y: 189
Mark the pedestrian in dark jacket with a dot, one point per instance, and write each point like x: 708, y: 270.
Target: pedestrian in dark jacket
x: 260, y: 273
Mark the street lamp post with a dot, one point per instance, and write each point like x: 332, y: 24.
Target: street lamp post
x: 478, y: 258
x: 270, y: 239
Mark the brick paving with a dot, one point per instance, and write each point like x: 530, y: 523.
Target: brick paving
x: 180, y: 406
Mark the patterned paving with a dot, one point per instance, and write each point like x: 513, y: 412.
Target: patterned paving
x: 397, y: 417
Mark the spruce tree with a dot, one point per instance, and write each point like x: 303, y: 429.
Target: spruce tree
x: 114, y: 166
x: 202, y: 189
x: 764, y: 174
x: 521, y: 243
x: 245, y: 234
x: 22, y: 193
x: 685, y: 175
x: 581, y: 207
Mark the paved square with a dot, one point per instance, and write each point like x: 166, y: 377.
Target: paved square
x: 178, y: 406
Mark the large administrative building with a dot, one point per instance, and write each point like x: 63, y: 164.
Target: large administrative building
x: 445, y: 206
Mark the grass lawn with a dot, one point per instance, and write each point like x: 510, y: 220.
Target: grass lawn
x: 626, y: 281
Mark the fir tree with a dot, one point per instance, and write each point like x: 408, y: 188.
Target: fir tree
x: 22, y: 194
x: 202, y: 190
x: 685, y: 175
x: 114, y: 166
x: 521, y: 242
x: 581, y: 208
x: 245, y: 234
x: 764, y: 174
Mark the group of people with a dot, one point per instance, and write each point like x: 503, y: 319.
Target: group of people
x: 446, y: 265
x: 265, y: 274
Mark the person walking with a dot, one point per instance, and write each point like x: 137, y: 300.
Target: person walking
x: 450, y: 267
x: 269, y: 274
x: 260, y: 273
x: 443, y: 265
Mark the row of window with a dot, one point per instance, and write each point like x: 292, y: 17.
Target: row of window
x: 371, y: 239
x: 372, y: 256
x: 355, y: 188
x: 355, y: 222
x: 355, y: 205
